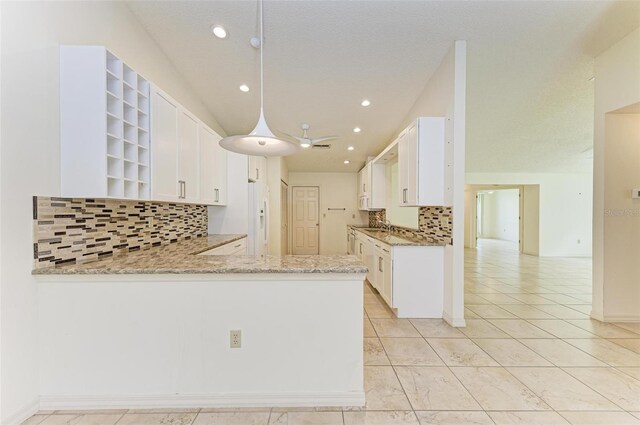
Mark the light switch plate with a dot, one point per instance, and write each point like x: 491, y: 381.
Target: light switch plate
x: 635, y: 193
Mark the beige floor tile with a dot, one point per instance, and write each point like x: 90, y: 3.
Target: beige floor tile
x: 562, y: 312
x: 434, y: 388
x: 166, y: 410
x: 630, y: 344
x: 475, y: 299
x: 157, y: 419
x: 633, y: 327
x: 61, y: 420
x: 634, y: 372
x: 618, y: 387
x: 600, y: 418
x: 560, y: 390
x: 561, y: 353
x: 562, y: 299
x: 99, y: 419
x: 532, y: 299
x: 636, y: 414
x: 582, y: 308
x: 378, y: 312
x: 491, y: 311
x: 394, y: 328
x: 369, y: 332
x: 496, y: 389
x: 468, y: 314
x: 501, y: 299
x: 562, y: 329
x: 527, y: 418
x: 374, y: 354
x: 383, y: 390
x: 381, y: 418
x: 524, y: 311
x: 410, y: 352
x: 311, y: 409
x: 436, y: 328
x: 35, y: 420
x: 454, y: 418
x: 607, y: 351
x: 306, y: 418
x: 518, y: 328
x: 480, y: 328
x: 228, y: 418
x: 603, y: 330
x: 460, y: 352
x: 511, y: 352
x: 92, y: 412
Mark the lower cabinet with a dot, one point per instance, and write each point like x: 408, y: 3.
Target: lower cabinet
x: 238, y: 247
x: 410, y: 279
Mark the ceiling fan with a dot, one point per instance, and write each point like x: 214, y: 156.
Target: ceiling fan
x: 305, y: 141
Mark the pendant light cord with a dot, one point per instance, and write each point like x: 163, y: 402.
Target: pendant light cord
x: 261, y: 64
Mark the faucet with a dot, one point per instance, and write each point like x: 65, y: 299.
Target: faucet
x: 387, y: 224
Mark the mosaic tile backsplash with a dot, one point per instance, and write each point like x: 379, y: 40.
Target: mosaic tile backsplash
x: 429, y: 222
x: 69, y: 230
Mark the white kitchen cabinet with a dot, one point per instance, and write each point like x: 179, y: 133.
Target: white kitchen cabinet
x: 213, y: 168
x: 422, y: 163
x: 410, y: 278
x: 372, y: 187
x: 188, y: 164
x: 257, y: 168
x: 238, y: 247
x: 104, y: 126
x: 188, y: 156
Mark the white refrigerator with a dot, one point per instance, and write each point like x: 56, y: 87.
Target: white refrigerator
x: 258, y: 236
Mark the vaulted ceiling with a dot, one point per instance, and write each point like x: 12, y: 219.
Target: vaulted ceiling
x: 529, y: 94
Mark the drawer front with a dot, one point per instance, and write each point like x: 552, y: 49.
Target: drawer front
x: 238, y: 247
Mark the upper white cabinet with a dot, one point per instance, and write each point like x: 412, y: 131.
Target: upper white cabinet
x: 421, y: 163
x: 104, y: 126
x: 187, y: 162
x: 257, y: 168
x: 213, y: 168
x: 372, y: 187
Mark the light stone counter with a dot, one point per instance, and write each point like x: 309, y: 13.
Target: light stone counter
x: 182, y: 258
x: 397, y: 239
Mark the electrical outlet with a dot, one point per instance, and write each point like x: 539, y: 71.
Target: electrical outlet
x: 235, y: 339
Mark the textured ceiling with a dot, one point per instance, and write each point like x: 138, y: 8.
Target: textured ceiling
x: 529, y: 99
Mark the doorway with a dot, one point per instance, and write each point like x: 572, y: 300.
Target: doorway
x: 284, y: 218
x: 305, y: 220
x: 505, y: 215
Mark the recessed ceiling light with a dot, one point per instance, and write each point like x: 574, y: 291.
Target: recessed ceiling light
x: 365, y: 103
x: 346, y: 161
x: 592, y: 78
x: 244, y: 88
x: 350, y: 148
x: 357, y: 130
x: 219, y: 31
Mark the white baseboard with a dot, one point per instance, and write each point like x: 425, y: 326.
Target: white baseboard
x: 23, y: 414
x: 624, y: 318
x: 355, y: 398
x: 455, y: 322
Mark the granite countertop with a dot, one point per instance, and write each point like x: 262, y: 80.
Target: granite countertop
x: 396, y: 239
x: 182, y: 258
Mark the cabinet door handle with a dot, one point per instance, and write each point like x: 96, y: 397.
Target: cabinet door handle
x: 217, y: 195
x: 257, y: 174
x: 379, y: 264
x: 238, y: 246
x: 182, y: 189
x: 360, y: 248
x: 404, y: 196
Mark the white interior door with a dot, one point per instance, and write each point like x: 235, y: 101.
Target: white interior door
x: 306, y: 225
x: 284, y: 218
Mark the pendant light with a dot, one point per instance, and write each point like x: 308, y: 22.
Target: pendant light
x: 261, y: 141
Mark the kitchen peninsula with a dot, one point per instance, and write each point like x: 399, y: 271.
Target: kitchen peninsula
x: 152, y: 328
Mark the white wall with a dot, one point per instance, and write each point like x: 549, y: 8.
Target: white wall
x: 501, y: 210
x: 31, y: 34
x: 445, y: 96
x: 337, y: 190
x: 565, y: 209
x: 616, y: 228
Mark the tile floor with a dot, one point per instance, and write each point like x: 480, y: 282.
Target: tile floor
x: 529, y: 355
